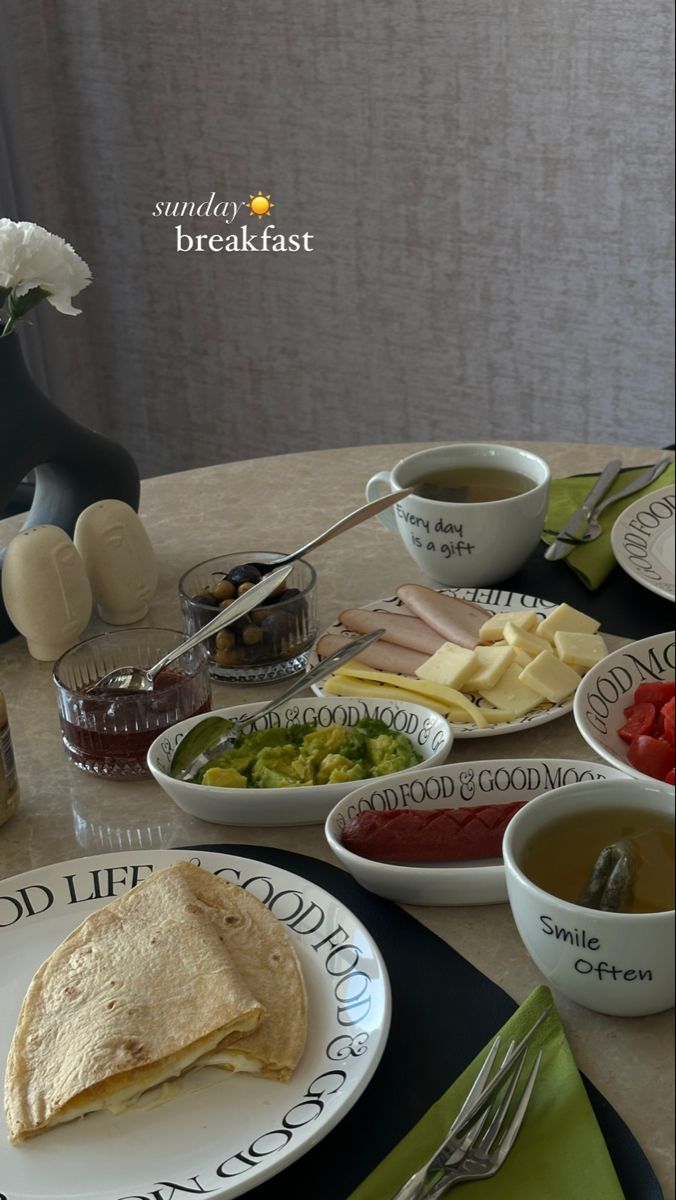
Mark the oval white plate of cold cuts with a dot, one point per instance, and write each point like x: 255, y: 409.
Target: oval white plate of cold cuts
x: 493, y: 600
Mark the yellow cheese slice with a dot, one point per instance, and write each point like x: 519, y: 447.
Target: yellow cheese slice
x: 493, y: 630
x: 491, y: 664
x: 419, y: 687
x: 347, y: 686
x: 550, y: 678
x: 568, y: 620
x: 450, y: 665
x: 512, y: 694
x: 580, y: 650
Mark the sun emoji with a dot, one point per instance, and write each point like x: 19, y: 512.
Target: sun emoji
x: 260, y: 205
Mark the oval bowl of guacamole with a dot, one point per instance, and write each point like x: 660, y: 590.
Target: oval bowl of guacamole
x: 295, y: 764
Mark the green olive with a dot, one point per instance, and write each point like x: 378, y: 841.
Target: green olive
x: 228, y: 658
x: 223, y: 590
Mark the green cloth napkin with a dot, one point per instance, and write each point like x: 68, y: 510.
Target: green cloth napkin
x: 560, y: 1151
x: 594, y: 561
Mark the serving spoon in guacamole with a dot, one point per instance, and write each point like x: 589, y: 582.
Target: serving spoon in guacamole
x: 214, y: 736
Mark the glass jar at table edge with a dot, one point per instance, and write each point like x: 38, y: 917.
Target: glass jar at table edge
x: 108, y: 734
x: 288, y: 626
x: 9, y: 784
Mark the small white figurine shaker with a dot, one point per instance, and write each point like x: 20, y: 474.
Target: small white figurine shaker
x: 46, y: 590
x: 119, y: 559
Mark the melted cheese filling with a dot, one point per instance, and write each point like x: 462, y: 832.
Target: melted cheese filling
x: 117, y: 1097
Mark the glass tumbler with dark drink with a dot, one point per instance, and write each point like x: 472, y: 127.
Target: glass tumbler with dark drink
x: 108, y: 733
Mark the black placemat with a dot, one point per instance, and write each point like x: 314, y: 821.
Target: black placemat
x: 444, y: 1011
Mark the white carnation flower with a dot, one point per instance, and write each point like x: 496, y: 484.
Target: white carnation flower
x: 30, y: 258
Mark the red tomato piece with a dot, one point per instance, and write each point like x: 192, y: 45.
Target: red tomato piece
x: 671, y: 777
x: 651, y: 756
x: 640, y: 719
x: 668, y: 715
x: 654, y: 693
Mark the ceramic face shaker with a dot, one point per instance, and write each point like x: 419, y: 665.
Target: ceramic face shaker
x: 119, y: 559
x: 46, y: 590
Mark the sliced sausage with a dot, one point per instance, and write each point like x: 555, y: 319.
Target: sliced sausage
x: 429, y: 835
x: 456, y: 620
x: 399, y: 628
x: 382, y: 656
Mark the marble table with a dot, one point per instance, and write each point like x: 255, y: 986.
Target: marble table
x: 278, y: 503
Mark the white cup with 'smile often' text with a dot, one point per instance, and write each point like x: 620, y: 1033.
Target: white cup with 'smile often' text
x: 482, y: 537
x: 620, y: 963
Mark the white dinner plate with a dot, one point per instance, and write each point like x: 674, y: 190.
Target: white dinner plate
x: 224, y: 1133
x: 494, y: 600
x: 463, y: 785
x: 642, y: 539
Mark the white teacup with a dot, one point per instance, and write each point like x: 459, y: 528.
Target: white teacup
x: 612, y: 962
x: 466, y: 544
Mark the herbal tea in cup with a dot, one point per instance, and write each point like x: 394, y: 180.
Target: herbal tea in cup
x: 476, y: 512
x: 604, y: 940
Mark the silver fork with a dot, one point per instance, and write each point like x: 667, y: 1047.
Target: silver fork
x: 594, y: 529
x: 468, y: 1123
x: 486, y: 1151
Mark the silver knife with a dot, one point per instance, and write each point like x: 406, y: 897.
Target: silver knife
x: 565, y: 539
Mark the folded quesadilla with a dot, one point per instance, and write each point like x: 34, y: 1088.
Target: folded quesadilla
x: 147, y: 988
x: 264, y: 955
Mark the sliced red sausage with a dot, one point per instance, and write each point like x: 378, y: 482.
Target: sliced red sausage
x: 430, y: 835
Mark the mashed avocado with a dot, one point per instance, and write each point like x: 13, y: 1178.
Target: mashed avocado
x: 302, y: 755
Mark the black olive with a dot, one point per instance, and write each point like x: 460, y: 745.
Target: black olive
x: 282, y: 597
x: 247, y: 573
x: 274, y: 626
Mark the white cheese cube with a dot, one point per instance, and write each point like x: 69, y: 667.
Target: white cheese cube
x: 512, y: 695
x: 551, y: 678
x: 520, y: 657
x: 580, y: 650
x: 523, y: 639
x: 493, y: 630
x: 568, y: 620
x: 492, y: 662
x: 450, y: 665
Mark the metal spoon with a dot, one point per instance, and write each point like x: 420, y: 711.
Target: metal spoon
x: 348, y: 522
x: 594, y: 528
x: 141, y: 679
x: 352, y: 647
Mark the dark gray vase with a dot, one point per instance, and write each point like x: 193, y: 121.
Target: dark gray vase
x: 73, y: 466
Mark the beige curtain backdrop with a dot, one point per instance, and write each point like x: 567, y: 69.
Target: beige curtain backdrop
x: 487, y: 183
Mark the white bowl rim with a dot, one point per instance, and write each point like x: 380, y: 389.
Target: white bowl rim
x: 666, y: 916
x: 654, y: 640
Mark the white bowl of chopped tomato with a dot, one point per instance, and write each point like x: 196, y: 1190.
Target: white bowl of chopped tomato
x: 624, y: 708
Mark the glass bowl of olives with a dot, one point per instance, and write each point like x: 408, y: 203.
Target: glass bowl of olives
x: 271, y: 642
